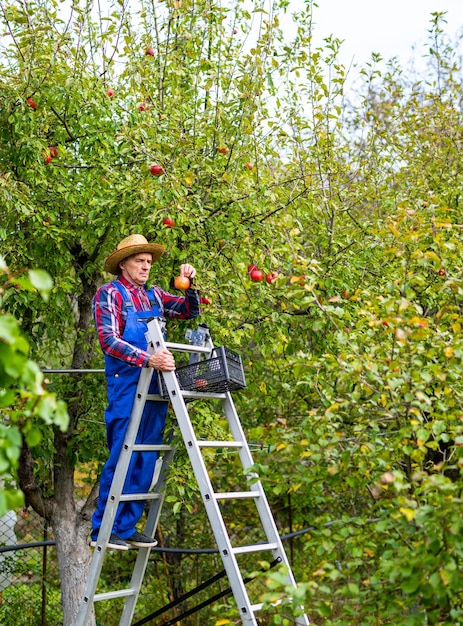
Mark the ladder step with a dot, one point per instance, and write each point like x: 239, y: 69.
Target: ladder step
x: 257, y: 547
x: 191, y: 394
x: 144, y: 447
x: 220, y: 444
x: 111, y: 595
x: 230, y: 495
x: 187, y: 347
x: 203, y: 394
x: 154, y: 397
x: 132, y: 497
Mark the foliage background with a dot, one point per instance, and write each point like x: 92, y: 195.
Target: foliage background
x: 353, y: 356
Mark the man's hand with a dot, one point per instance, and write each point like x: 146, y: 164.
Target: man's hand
x: 162, y: 361
x: 187, y: 270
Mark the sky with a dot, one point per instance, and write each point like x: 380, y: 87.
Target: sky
x: 390, y: 27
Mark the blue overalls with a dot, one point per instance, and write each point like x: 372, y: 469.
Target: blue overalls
x: 122, y: 380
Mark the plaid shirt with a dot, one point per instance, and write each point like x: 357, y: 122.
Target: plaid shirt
x: 109, y: 315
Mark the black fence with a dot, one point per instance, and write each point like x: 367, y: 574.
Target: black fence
x: 29, y: 578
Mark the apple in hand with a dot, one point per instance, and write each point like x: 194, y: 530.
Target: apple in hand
x: 181, y: 282
x: 256, y: 275
x: 156, y: 170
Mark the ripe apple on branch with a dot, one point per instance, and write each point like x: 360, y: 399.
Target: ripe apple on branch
x: 256, y: 275
x: 168, y: 222
x: 157, y: 170
x: 271, y: 277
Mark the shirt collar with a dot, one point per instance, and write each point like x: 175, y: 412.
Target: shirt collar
x: 130, y: 285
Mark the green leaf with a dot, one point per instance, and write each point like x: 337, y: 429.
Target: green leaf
x: 33, y: 437
x: 41, y: 280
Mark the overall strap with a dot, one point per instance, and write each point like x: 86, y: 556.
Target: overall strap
x: 126, y: 299
x: 154, y: 300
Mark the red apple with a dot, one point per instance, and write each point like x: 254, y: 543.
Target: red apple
x: 204, y: 300
x: 144, y: 107
x: 223, y: 150
x: 251, y: 267
x: 168, y: 223
x: 271, y: 278
x: 110, y: 92
x: 156, y: 169
x: 53, y: 151
x: 235, y: 30
x: 48, y: 158
x: 256, y: 275
x: 181, y: 282
x: 441, y: 272
x: 248, y: 166
x: 31, y: 103
x: 345, y: 293
x: 149, y: 52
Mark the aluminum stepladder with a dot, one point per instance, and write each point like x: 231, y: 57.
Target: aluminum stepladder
x: 211, y: 499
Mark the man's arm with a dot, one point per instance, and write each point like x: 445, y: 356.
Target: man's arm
x: 180, y: 307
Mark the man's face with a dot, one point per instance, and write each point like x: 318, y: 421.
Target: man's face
x: 136, y: 268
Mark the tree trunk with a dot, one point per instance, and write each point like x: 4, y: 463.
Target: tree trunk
x: 74, y: 556
x: 71, y: 525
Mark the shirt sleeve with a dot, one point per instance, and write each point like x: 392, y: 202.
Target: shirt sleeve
x: 107, y: 313
x: 179, y: 307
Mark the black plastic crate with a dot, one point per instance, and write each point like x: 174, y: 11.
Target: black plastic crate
x: 218, y: 374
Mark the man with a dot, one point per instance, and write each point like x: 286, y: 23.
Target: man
x: 121, y: 309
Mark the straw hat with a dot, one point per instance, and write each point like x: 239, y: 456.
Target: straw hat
x: 134, y: 244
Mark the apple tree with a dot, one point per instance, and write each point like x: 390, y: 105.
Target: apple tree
x: 106, y: 130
